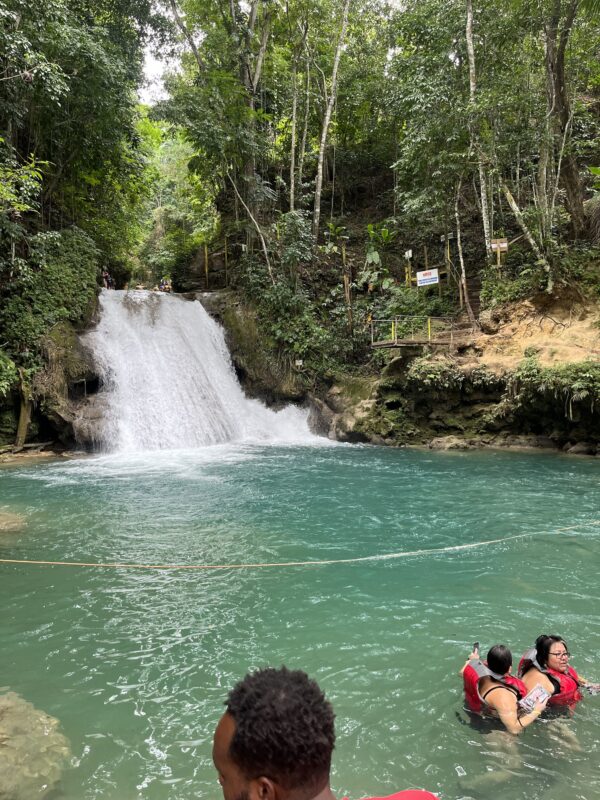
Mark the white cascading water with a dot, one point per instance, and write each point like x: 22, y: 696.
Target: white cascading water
x: 168, y: 381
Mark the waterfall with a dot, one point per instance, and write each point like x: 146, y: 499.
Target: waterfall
x: 168, y: 382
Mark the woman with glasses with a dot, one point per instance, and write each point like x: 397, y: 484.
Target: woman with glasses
x: 547, y: 664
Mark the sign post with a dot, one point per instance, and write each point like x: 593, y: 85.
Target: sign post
x: 408, y: 268
x: 499, y: 246
x: 427, y: 277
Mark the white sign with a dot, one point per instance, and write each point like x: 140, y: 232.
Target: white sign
x: 427, y: 277
x: 408, y: 254
x: 499, y: 245
x: 299, y: 362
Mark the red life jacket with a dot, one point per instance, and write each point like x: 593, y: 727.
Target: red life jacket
x: 566, y: 684
x: 474, y: 672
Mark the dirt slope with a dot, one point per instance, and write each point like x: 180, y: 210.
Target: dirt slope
x: 556, y: 330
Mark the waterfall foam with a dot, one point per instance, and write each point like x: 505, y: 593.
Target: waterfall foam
x: 168, y: 381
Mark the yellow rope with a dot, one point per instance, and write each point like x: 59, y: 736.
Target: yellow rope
x: 381, y: 557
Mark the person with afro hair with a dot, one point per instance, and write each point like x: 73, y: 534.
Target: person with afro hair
x: 276, y: 738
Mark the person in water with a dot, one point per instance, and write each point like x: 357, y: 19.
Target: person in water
x: 547, y: 664
x: 276, y: 738
x: 491, y: 690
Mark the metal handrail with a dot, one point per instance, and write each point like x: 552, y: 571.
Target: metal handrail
x: 402, y: 319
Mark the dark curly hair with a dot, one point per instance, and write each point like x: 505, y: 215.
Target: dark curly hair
x: 283, y: 728
x: 543, y: 644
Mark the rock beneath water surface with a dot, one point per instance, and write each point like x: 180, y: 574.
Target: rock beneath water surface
x: 33, y: 752
x: 11, y: 523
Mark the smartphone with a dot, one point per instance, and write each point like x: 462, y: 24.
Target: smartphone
x: 476, y: 647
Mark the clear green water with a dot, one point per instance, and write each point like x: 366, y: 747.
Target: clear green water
x: 136, y: 664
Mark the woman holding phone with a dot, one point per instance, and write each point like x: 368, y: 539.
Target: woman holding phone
x: 491, y: 690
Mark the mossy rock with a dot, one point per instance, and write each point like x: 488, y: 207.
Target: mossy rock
x: 9, y: 417
x: 259, y: 365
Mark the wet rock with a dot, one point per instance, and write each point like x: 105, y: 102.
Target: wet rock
x: 449, y: 443
x: 335, y: 399
x: 89, y: 420
x: 521, y: 441
x: 320, y: 416
x: 582, y: 449
x: 33, y: 752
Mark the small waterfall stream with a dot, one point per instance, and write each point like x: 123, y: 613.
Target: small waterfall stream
x: 168, y: 381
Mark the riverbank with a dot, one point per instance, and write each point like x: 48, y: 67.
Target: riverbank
x: 529, y: 379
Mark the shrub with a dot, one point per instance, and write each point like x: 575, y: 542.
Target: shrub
x: 8, y: 374
x: 58, y: 282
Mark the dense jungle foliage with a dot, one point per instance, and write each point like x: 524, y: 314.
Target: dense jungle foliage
x: 303, y: 147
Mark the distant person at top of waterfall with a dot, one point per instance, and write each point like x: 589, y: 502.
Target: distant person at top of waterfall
x: 105, y: 278
x: 276, y: 738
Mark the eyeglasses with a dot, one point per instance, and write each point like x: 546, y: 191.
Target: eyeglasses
x: 562, y: 654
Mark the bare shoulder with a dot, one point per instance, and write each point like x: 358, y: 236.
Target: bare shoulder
x: 533, y: 677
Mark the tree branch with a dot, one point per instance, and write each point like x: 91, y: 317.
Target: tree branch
x: 184, y: 30
x: 257, y: 226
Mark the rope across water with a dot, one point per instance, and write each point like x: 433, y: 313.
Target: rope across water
x: 325, y: 562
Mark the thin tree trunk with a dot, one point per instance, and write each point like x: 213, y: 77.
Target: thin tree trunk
x: 326, y: 122
x: 258, y: 230
x: 463, y: 274
x: 485, y: 215
x: 24, y: 414
x: 529, y: 236
x: 304, y: 127
x: 293, y: 143
x: 23, y: 426
x: 542, y: 185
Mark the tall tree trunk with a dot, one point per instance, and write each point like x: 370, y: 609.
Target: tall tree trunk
x: 250, y: 71
x: 327, y: 120
x: 485, y: 214
x: 304, y: 127
x: 25, y: 412
x: 293, y: 143
x: 543, y: 189
x: 557, y: 38
x: 463, y: 274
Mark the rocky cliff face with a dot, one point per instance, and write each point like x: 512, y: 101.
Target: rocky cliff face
x: 65, y: 386
x: 441, y: 403
x: 259, y: 369
x: 58, y: 393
